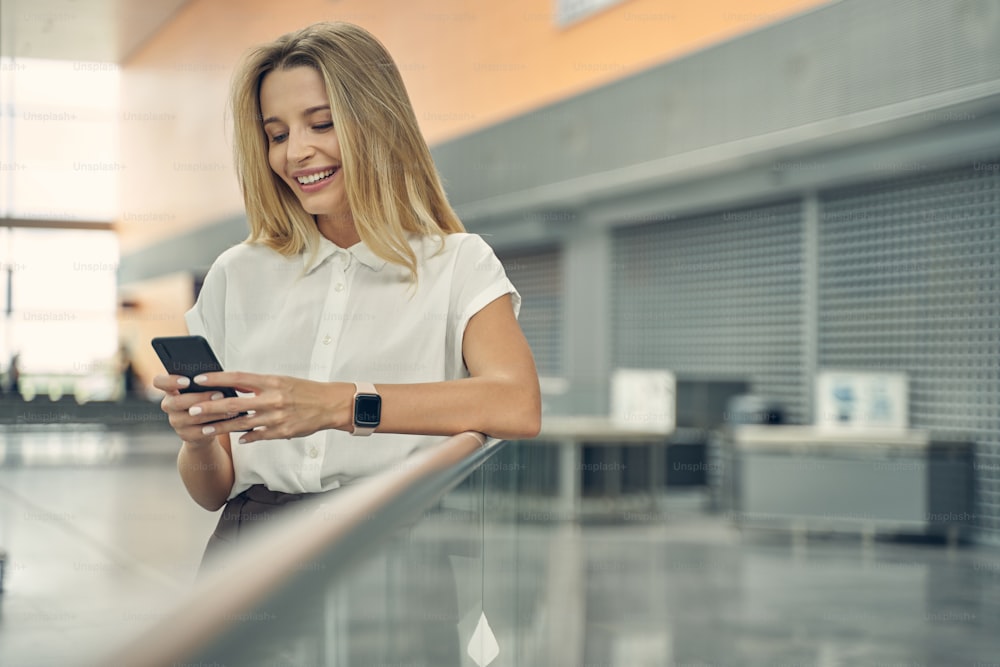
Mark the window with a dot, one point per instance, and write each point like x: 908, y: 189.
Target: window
x: 61, y: 310
x: 59, y: 123
x: 59, y: 162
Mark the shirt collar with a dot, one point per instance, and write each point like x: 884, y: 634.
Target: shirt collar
x: 327, y: 249
x: 364, y: 254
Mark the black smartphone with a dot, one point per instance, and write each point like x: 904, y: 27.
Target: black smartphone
x: 190, y: 356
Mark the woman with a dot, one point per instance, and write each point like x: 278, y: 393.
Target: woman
x: 356, y: 270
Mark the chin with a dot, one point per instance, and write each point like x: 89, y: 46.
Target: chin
x: 325, y: 205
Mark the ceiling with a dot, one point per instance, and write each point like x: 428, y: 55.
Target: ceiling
x: 84, y: 30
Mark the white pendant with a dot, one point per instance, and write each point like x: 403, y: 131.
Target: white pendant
x: 483, y: 647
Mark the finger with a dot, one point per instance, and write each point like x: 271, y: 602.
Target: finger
x: 171, y: 382
x: 233, y: 425
x: 255, y: 435
x: 219, y: 407
x: 186, y: 427
x: 184, y: 402
x: 247, y: 382
x: 198, y: 428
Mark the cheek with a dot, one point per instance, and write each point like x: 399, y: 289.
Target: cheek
x: 275, y: 160
x: 334, y: 145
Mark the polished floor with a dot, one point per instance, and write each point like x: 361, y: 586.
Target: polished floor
x: 96, y: 525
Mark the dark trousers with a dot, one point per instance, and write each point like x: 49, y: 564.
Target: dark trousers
x: 257, y: 506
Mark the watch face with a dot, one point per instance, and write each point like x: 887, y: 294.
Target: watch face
x: 367, y: 410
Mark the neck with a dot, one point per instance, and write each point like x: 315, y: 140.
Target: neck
x: 339, y: 230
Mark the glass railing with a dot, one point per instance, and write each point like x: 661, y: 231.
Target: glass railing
x: 398, y: 570
x: 468, y: 553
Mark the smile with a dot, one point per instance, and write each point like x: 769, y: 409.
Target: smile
x: 317, y: 177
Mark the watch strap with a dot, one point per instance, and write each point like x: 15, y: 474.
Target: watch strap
x: 362, y: 388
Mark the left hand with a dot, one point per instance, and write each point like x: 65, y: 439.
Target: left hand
x: 281, y: 407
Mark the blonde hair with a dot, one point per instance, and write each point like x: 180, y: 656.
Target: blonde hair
x: 392, y: 185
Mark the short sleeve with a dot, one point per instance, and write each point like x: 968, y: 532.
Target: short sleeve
x: 479, y: 279
x: 207, y: 317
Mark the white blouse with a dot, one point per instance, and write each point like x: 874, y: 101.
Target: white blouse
x: 346, y: 316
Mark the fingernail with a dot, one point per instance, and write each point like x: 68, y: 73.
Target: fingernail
x: 217, y: 395
x: 208, y: 430
x: 200, y: 378
x: 196, y: 410
x: 243, y: 440
x: 183, y: 382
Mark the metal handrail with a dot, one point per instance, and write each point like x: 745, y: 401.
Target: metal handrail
x: 332, y: 528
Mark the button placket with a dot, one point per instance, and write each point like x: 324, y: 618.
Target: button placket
x: 332, y: 318
x: 331, y: 323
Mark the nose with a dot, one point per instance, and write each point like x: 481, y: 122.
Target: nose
x: 299, y: 146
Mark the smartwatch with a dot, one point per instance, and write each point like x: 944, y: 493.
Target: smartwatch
x: 367, y: 408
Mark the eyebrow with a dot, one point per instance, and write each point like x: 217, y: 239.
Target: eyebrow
x: 307, y: 112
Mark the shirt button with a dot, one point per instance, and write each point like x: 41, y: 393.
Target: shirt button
x: 313, y: 453
x: 339, y: 287
x: 327, y: 340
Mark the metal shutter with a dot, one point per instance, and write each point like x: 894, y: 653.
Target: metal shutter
x: 537, y: 275
x: 909, y: 279
x: 715, y: 295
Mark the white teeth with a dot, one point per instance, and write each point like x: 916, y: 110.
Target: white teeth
x: 312, y: 178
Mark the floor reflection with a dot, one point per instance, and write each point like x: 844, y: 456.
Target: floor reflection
x: 83, y: 445
x: 96, y: 524
x: 694, y: 591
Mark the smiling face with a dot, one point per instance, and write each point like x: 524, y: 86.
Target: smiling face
x: 302, y: 145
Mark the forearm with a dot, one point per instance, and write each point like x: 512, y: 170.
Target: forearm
x: 499, y: 407
x: 207, y: 472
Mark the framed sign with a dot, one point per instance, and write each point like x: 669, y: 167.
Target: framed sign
x: 644, y: 400
x: 862, y: 399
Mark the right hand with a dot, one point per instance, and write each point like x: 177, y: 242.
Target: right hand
x: 177, y: 406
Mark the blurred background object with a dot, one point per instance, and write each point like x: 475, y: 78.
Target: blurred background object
x: 750, y: 409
